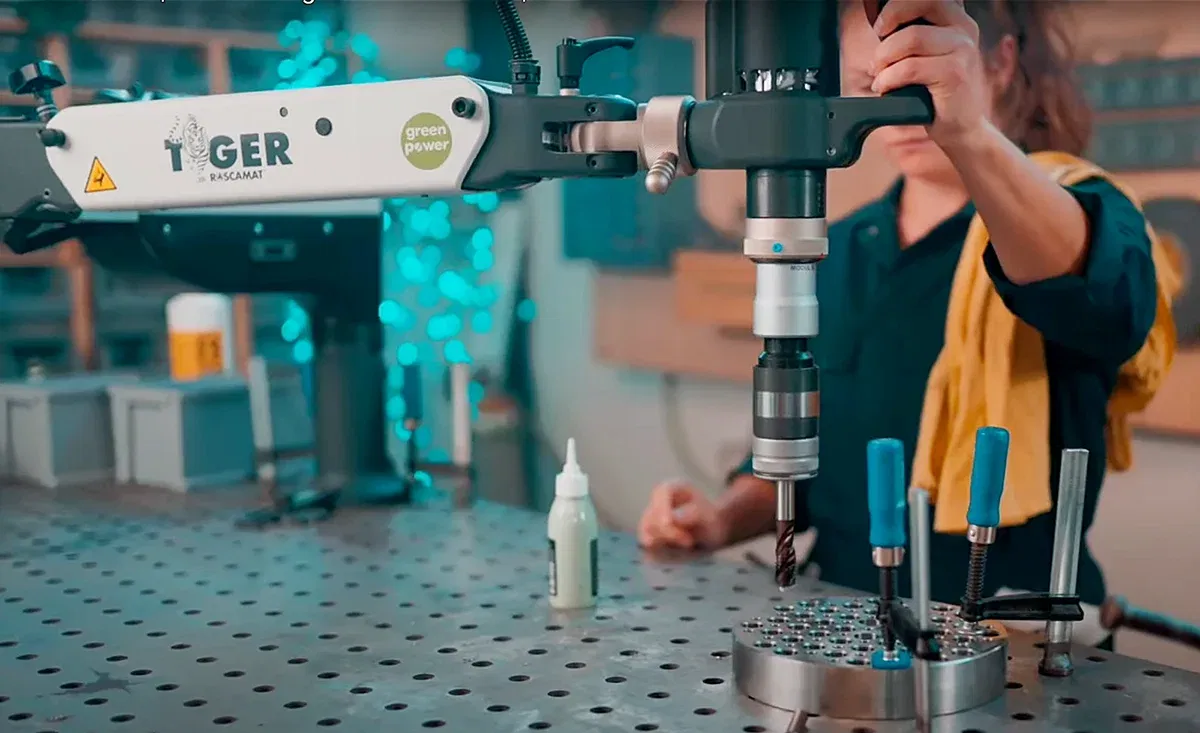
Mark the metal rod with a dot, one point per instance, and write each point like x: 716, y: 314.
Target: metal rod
x: 918, y: 532
x: 1064, y: 565
x: 460, y: 408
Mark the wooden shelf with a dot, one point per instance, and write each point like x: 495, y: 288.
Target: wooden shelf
x: 148, y: 35
x: 43, y: 258
x: 78, y: 96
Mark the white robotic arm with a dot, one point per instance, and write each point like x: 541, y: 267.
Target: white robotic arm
x: 385, y: 140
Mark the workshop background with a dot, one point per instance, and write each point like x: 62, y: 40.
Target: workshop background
x: 619, y: 319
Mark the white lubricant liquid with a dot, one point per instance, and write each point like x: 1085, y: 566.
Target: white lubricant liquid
x: 572, y: 532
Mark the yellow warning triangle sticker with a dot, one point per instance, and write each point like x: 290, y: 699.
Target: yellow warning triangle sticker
x: 98, y: 179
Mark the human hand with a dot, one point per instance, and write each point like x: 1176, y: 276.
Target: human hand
x: 942, y: 55
x: 679, y: 516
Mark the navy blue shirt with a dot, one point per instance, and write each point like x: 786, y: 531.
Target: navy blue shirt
x: 882, y: 326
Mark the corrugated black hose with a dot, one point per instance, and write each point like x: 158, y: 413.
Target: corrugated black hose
x: 514, y: 31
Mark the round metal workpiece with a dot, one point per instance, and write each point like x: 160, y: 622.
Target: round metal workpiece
x: 815, y: 654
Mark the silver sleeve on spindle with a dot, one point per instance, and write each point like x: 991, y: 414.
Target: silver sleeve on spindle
x: 1068, y: 533
x: 785, y: 300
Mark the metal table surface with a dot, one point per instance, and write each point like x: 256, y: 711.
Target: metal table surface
x: 125, y: 610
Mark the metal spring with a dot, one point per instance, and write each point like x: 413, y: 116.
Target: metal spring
x: 976, y: 567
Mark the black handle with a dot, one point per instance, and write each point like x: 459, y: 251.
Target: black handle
x: 1117, y: 613
x: 915, y: 91
x: 574, y: 53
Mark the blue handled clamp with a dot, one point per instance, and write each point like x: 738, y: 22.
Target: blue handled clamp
x: 983, y: 513
x: 987, y: 477
x: 887, y: 504
x: 885, y: 493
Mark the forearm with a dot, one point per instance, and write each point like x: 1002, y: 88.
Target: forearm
x: 1037, y: 228
x: 747, y: 508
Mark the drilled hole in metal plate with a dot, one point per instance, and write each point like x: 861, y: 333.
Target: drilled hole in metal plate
x: 1131, y: 718
x: 1172, y: 702
x: 1022, y: 716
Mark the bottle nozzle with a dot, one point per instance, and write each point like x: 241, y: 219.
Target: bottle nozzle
x: 572, y: 481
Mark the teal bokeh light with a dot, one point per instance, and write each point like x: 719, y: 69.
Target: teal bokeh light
x: 407, y: 353
x: 442, y: 288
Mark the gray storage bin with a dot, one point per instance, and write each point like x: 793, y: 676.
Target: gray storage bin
x: 183, y: 435
x: 57, y: 431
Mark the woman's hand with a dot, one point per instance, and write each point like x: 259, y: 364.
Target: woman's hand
x: 942, y: 56
x: 679, y: 516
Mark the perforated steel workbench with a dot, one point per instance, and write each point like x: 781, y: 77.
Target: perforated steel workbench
x: 133, y: 611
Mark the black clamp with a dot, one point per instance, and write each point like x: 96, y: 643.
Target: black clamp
x: 1024, y: 607
x: 921, y: 643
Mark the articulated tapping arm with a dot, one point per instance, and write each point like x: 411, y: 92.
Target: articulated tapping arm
x: 773, y: 111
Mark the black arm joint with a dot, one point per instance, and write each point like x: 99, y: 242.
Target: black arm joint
x: 34, y: 205
x: 527, y: 142
x: 1026, y: 607
x: 922, y: 643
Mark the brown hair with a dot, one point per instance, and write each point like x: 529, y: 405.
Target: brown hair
x: 1043, y: 107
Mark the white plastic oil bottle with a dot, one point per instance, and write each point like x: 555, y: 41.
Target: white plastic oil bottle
x: 200, y: 335
x: 573, y: 533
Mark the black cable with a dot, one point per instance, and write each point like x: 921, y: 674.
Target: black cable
x: 514, y: 31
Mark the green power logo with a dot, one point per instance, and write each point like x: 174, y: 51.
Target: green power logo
x: 427, y: 141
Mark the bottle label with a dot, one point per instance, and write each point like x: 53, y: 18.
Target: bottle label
x: 595, y: 569
x: 553, y: 570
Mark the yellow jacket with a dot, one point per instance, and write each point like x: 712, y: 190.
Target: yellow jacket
x: 992, y: 371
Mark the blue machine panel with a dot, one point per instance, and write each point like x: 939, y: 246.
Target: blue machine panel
x: 616, y: 223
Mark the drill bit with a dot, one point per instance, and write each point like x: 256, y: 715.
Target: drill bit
x: 983, y: 513
x: 785, y: 533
